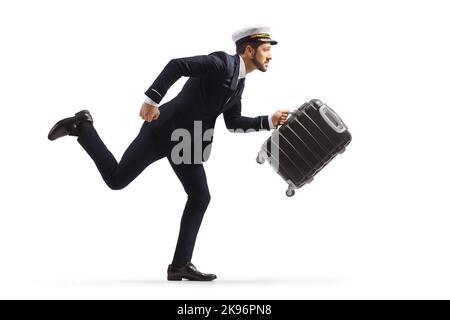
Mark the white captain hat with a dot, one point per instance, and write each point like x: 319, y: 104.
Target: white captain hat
x: 254, y: 33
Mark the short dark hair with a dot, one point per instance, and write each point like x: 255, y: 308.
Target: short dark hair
x: 240, y: 49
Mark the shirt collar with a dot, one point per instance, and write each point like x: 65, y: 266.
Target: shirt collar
x: 242, y: 71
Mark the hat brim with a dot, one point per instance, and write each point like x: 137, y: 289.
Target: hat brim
x: 256, y: 40
x: 271, y: 41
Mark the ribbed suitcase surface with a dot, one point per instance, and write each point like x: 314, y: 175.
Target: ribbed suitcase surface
x: 312, y: 136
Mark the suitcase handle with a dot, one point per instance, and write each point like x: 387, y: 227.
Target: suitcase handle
x: 332, y: 119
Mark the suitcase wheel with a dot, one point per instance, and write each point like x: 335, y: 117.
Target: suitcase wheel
x: 290, y: 192
x: 317, y: 103
x: 259, y: 159
x: 342, y: 151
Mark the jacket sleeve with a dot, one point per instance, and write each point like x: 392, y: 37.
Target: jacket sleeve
x: 207, y: 66
x: 237, y: 123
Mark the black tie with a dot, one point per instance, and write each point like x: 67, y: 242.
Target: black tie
x: 238, y: 88
x: 240, y: 83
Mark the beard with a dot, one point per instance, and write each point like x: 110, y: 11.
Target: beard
x: 260, y: 66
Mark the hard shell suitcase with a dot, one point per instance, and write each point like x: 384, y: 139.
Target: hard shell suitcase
x: 312, y: 136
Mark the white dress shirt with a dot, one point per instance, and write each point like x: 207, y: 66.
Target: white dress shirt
x: 242, y: 74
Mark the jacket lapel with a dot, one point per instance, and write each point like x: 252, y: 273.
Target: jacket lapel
x: 236, y: 94
x: 234, y: 82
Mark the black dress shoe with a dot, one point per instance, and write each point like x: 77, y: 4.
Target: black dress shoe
x: 69, y: 126
x: 189, y: 272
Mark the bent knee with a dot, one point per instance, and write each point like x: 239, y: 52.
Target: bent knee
x: 115, y: 185
x: 201, y: 199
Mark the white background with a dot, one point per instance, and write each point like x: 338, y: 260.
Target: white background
x: 373, y: 224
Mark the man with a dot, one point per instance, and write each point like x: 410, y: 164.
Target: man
x: 215, y: 86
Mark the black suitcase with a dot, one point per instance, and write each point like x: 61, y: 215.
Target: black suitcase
x: 312, y: 136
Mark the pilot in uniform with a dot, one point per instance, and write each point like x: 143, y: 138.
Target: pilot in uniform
x: 214, y: 87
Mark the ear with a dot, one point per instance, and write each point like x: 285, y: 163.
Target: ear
x: 249, y: 49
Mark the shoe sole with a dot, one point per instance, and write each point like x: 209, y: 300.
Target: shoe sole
x: 179, y: 278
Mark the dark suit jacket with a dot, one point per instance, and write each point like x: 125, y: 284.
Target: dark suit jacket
x: 212, y: 89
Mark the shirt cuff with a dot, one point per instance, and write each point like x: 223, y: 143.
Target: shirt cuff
x: 150, y: 102
x: 270, y: 123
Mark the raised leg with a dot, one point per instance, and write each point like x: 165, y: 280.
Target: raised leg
x: 144, y: 150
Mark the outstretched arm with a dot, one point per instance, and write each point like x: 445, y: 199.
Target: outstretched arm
x: 235, y: 122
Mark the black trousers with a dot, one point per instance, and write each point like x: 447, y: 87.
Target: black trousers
x: 145, y: 149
